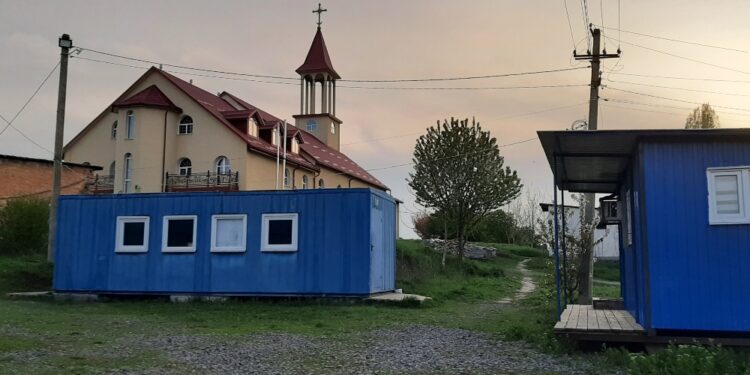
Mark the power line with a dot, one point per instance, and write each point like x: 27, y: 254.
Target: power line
x: 686, y: 58
x: 679, y: 78
x: 633, y: 102
x: 680, y: 88
x: 676, y: 100
x: 350, y: 87
x: 216, y: 71
x: 502, y: 118
x: 585, y: 17
x: 10, y: 123
x: 570, y: 25
x: 672, y: 39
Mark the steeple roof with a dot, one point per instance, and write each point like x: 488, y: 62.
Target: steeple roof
x: 318, y: 60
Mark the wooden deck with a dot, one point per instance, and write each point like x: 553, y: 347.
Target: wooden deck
x: 587, y: 320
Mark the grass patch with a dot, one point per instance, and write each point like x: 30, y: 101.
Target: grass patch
x: 683, y: 360
x: 607, y: 270
x: 606, y: 290
x: 25, y: 274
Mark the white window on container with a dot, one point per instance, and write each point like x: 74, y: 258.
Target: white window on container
x: 132, y: 234
x: 185, y: 126
x: 279, y: 232
x: 727, y: 195
x: 127, y: 173
x: 228, y: 233
x: 179, y: 233
x: 130, y: 125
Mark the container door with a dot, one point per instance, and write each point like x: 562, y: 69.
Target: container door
x: 377, y: 250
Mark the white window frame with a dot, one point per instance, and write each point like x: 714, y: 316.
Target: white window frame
x: 130, y: 125
x: 120, y: 233
x: 226, y: 168
x: 265, y: 246
x: 287, y: 178
x: 165, y: 233
x: 743, y: 195
x: 304, y: 181
x: 114, y: 130
x: 312, y: 126
x: 127, y: 173
x: 188, y: 126
x: 228, y: 249
x: 188, y: 169
x: 333, y: 128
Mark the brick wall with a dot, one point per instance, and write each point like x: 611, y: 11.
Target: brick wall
x: 21, y: 177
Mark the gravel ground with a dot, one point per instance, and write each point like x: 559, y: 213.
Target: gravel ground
x: 400, y: 350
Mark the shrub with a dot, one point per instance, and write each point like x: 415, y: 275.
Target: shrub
x: 24, y: 226
x: 683, y: 360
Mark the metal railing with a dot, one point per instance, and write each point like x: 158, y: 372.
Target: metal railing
x: 209, y: 181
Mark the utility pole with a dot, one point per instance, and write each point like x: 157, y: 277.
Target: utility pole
x: 65, y: 44
x: 586, y: 280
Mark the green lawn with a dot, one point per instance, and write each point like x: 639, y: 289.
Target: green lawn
x: 608, y: 270
x: 459, y: 291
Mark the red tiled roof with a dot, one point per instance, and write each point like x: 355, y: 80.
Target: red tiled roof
x: 318, y: 60
x: 149, y: 97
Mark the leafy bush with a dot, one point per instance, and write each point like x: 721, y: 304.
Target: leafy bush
x: 24, y: 226
x: 497, y: 227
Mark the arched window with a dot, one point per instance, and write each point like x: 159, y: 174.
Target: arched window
x: 333, y: 128
x: 112, y: 169
x: 130, y: 125
x: 222, y: 165
x: 127, y: 173
x: 114, y: 130
x: 186, y: 125
x: 321, y: 184
x: 304, y: 181
x: 186, y: 167
x: 287, y: 178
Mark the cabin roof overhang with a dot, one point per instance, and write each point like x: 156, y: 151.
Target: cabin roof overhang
x: 596, y: 161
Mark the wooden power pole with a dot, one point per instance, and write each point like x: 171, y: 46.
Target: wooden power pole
x: 65, y: 44
x: 586, y: 273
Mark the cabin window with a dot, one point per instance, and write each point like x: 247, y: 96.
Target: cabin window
x: 185, y: 167
x: 132, y: 234
x: 728, y: 191
x: 279, y: 232
x: 185, y: 126
x: 114, y: 130
x: 228, y: 233
x: 304, y: 181
x: 130, y: 125
x: 179, y: 233
x: 223, y: 166
x: 127, y: 173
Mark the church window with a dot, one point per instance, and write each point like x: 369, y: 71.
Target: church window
x: 186, y: 125
x: 130, y: 125
x: 222, y: 165
x: 312, y: 125
x: 185, y: 167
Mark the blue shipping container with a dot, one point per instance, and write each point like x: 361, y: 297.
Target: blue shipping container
x: 338, y: 242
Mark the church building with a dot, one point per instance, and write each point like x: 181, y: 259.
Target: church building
x: 164, y: 134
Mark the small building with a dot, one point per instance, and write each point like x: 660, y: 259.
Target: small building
x: 322, y: 242
x: 606, y: 240
x: 680, y: 200
x: 30, y: 177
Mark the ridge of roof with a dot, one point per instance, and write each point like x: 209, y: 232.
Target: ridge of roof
x: 318, y: 60
x: 149, y: 97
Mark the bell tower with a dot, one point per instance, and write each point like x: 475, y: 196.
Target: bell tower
x: 317, y: 112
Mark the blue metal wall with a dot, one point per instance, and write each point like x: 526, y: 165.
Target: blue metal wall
x: 697, y: 273
x: 335, y: 255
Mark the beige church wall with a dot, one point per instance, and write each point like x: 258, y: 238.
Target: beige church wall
x: 260, y: 173
x: 97, y: 146
x: 333, y: 179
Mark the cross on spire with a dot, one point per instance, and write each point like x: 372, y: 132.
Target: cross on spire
x: 320, y: 10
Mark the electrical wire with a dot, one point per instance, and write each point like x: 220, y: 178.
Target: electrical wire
x: 676, y: 100
x: 570, y: 25
x: 296, y: 79
x: 679, y: 78
x: 23, y: 107
x: 673, y: 39
x: 680, y: 88
x: 686, y: 58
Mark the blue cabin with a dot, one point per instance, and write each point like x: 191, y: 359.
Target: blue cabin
x: 682, y: 208
x: 332, y: 242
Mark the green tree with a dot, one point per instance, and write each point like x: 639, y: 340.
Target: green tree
x: 458, y: 171
x: 703, y: 117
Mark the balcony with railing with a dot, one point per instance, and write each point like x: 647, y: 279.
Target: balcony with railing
x: 100, y: 184
x: 209, y: 181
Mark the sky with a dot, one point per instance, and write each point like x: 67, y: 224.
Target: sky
x: 391, y: 39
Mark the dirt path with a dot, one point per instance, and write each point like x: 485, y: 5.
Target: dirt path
x: 527, y: 283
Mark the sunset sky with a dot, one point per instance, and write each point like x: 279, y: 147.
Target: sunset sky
x: 389, y: 40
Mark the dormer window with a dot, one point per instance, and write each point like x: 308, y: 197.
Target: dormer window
x: 252, y: 127
x: 185, y: 126
x: 275, y: 137
x: 295, y: 145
